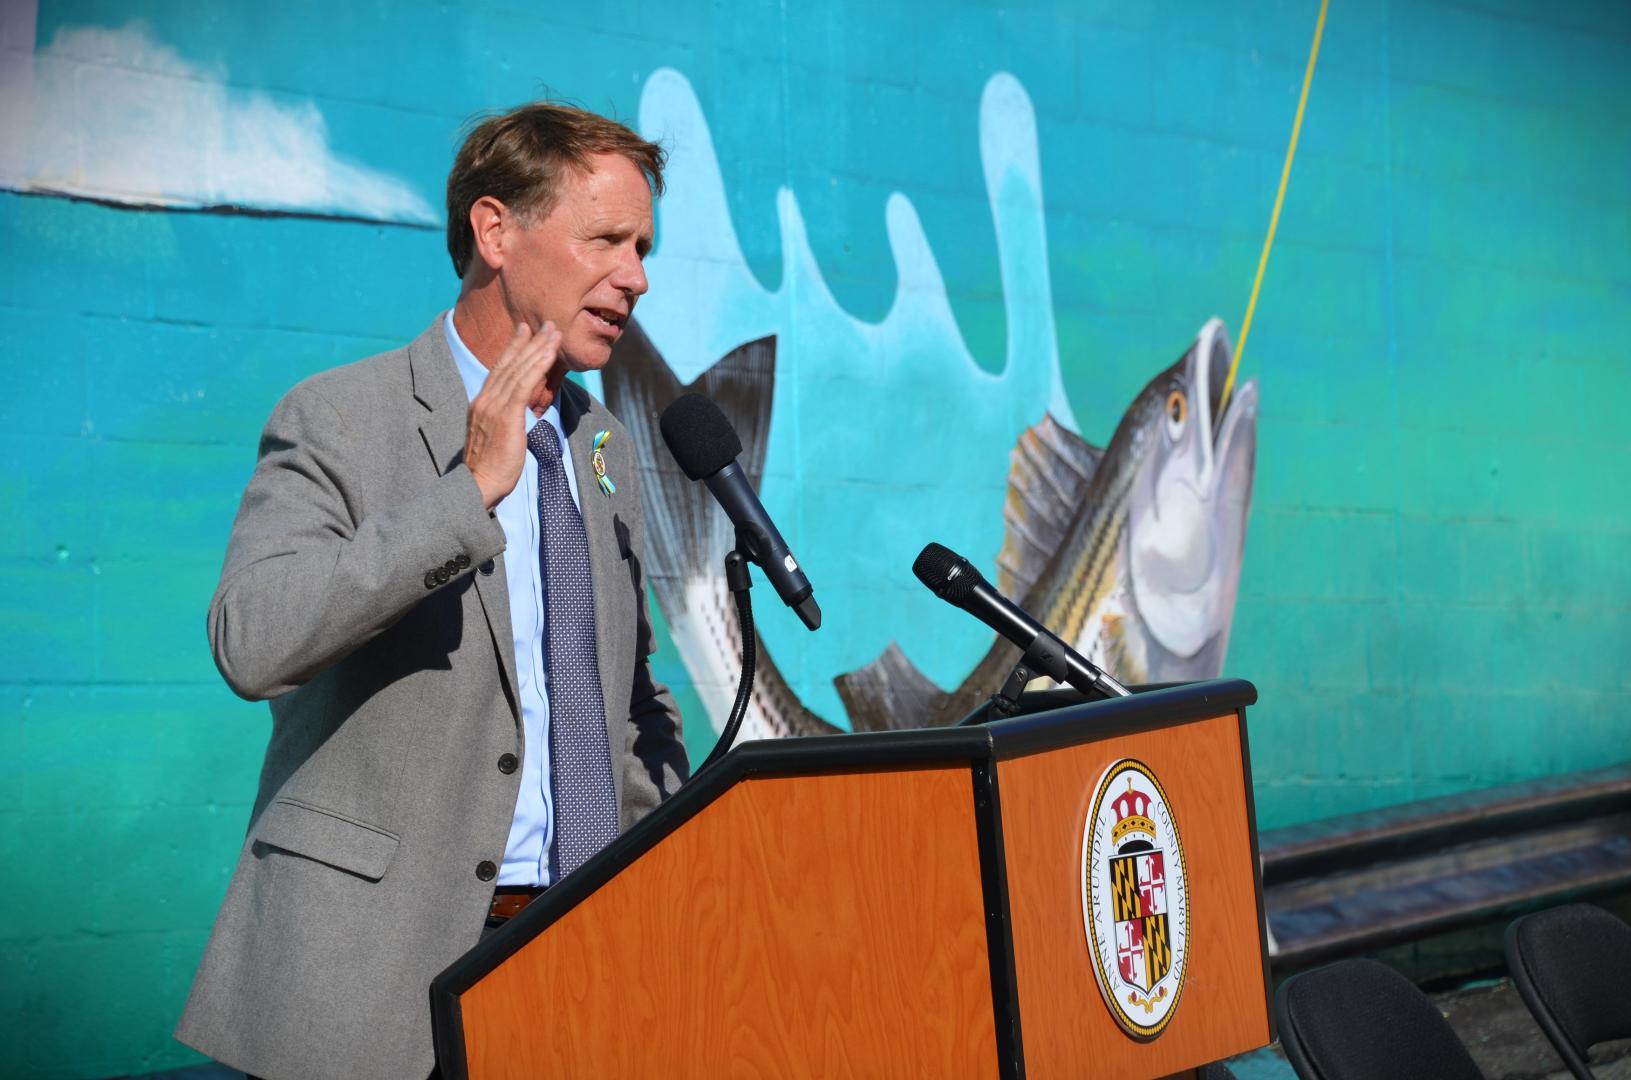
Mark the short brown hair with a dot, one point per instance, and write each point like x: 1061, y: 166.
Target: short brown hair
x: 517, y: 158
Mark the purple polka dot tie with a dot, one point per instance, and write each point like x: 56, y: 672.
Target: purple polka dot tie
x: 580, y: 763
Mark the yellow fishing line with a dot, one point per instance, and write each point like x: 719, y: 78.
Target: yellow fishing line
x: 1279, y: 199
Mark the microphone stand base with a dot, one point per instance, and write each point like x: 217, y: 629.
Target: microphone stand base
x: 1039, y: 660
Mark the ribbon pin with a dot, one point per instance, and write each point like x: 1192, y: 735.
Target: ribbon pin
x: 601, y: 478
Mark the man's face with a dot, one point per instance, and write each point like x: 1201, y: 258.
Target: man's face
x: 579, y: 266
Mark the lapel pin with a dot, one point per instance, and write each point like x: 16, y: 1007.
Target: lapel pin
x: 599, y: 459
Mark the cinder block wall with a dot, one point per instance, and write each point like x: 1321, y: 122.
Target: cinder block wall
x: 1435, y: 593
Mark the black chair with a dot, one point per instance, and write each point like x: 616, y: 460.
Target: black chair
x: 1572, y: 966
x: 1360, y: 1020
x: 1217, y: 1070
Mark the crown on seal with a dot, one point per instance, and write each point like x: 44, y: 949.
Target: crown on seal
x: 1132, y: 814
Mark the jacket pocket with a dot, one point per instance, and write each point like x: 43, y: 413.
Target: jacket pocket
x: 341, y: 842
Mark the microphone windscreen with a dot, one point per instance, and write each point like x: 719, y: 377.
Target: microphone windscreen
x: 947, y: 574
x: 699, y: 436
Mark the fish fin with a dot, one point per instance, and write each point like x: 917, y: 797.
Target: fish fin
x: 1050, y: 468
x: 889, y: 694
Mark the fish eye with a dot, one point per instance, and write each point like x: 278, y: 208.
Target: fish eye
x: 1177, y: 413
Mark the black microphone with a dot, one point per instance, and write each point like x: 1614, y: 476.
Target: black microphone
x: 706, y: 447
x: 952, y: 578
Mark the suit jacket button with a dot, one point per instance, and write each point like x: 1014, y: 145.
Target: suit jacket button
x: 462, y: 561
x: 485, y: 870
x: 507, y: 764
x: 441, y: 575
x: 430, y: 579
x: 486, y: 567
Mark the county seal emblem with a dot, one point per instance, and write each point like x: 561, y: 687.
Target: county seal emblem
x: 1135, y: 899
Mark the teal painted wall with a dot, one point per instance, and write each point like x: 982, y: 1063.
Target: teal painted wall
x: 1435, y: 594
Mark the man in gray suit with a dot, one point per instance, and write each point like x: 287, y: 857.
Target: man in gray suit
x: 436, y: 578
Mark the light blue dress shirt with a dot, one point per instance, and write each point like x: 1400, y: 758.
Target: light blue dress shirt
x: 526, y: 856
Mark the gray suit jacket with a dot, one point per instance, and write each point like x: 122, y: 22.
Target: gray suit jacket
x: 392, y: 701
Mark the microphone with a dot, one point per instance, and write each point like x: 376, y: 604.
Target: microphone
x: 706, y: 447
x: 954, y: 579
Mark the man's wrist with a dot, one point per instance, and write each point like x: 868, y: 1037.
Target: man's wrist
x: 491, y: 496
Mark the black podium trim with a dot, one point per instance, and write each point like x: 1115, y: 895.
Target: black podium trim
x: 1115, y: 716
x: 999, y: 935
x: 980, y: 746
x: 1257, y: 868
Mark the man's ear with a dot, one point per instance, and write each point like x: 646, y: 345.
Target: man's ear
x: 489, y: 219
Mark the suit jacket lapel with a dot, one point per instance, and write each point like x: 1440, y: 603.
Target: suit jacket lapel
x: 438, y: 389
x: 604, y: 556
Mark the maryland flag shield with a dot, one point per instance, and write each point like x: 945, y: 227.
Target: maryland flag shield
x: 1139, y: 893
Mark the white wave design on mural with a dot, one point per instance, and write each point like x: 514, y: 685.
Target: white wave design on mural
x: 862, y: 466
x: 115, y: 115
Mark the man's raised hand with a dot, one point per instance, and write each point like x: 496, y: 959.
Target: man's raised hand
x: 525, y: 375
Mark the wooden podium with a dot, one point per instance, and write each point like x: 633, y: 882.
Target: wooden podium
x: 905, y: 903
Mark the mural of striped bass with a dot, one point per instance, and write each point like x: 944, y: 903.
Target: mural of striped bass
x: 1132, y: 552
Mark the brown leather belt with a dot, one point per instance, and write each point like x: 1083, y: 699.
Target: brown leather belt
x: 510, y: 901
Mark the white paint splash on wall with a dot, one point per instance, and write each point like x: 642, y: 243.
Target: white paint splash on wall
x: 115, y: 114
x: 863, y: 465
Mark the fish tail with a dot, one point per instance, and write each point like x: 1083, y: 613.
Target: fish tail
x: 889, y: 693
x: 689, y: 536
